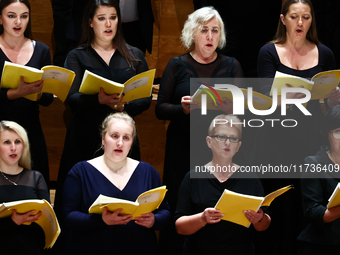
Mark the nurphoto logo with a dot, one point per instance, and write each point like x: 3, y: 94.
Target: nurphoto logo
x: 239, y: 101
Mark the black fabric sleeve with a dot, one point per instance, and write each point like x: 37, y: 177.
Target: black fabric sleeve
x: 311, y: 190
x: 72, y: 63
x: 162, y: 214
x: 328, y: 60
x: 260, y: 192
x: 46, y: 98
x: 165, y: 109
x: 76, y: 99
x: 3, y: 96
x: 312, y: 197
x: 238, y: 71
x: 184, y: 203
x: 266, y: 68
x: 41, y: 186
x: 327, y: 57
x: 74, y: 216
x: 138, y: 106
x: 7, y: 223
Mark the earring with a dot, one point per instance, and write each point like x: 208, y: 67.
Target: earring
x: 102, y: 147
x: 283, y: 23
x: 0, y: 23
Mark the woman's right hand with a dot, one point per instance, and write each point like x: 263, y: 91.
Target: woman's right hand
x: 211, y: 216
x: 26, y: 217
x: 187, y: 105
x: 24, y: 89
x: 294, y: 95
x: 110, y: 100
x: 113, y: 218
x: 226, y: 107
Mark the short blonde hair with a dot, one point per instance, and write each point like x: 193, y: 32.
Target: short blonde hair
x: 231, y: 119
x: 119, y: 116
x: 25, y: 160
x: 196, y: 20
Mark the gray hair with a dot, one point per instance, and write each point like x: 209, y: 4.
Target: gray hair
x: 230, y: 119
x: 196, y: 20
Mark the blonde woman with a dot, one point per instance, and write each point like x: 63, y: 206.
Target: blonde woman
x: 18, y: 182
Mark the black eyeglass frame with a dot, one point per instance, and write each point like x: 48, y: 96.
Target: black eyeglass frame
x: 225, y: 138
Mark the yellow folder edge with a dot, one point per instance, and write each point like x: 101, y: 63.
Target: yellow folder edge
x: 130, y: 207
x: 59, y: 88
x: 47, y: 221
x: 270, y: 197
x: 139, y: 92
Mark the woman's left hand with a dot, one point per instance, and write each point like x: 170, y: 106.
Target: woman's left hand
x: 187, y: 105
x: 227, y: 105
x: 146, y: 220
x: 333, y: 97
x: 111, y: 100
x: 25, y: 217
x: 113, y: 218
x: 254, y: 217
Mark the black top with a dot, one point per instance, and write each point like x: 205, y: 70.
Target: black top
x: 90, y: 234
x: 316, y: 188
x: 174, y: 85
x: 197, y: 194
x: 287, y: 146
x: 290, y: 145
x: 175, y: 81
x: 269, y: 63
x: 86, y: 58
x: 83, y: 139
x: 23, y: 239
x: 26, y: 112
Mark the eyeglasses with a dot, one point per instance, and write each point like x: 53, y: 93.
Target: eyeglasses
x: 336, y: 134
x: 222, y: 138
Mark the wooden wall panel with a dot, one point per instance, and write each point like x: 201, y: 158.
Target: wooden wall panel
x: 42, y: 22
x: 52, y: 121
x: 152, y: 138
x: 173, y: 15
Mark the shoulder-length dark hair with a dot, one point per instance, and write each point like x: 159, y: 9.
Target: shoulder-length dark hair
x: 5, y: 3
x: 281, y: 35
x: 88, y: 34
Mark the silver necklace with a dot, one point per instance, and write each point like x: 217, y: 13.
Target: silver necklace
x: 13, y: 182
